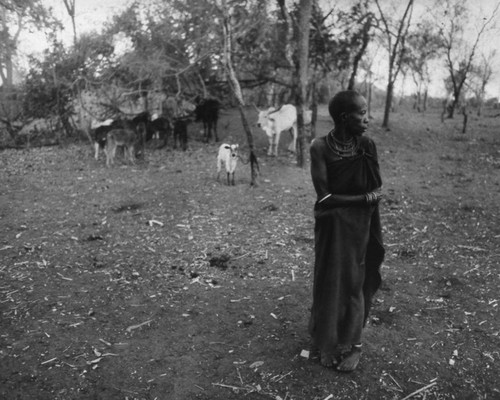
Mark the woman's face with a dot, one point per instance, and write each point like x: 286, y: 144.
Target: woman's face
x: 356, y: 122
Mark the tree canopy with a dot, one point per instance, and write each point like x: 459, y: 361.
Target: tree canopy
x: 176, y: 47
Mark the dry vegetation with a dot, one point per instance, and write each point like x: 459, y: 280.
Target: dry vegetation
x: 158, y: 282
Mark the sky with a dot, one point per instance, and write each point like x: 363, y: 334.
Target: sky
x: 90, y: 15
x: 93, y: 14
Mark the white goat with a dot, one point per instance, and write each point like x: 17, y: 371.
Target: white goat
x: 274, y: 121
x: 228, y: 154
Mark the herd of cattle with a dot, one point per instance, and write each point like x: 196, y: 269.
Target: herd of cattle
x: 132, y: 134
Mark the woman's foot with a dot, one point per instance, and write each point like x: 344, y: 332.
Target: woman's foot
x: 351, y: 360
x: 328, y: 359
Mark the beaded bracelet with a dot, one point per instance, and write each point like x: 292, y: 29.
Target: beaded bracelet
x: 371, y: 198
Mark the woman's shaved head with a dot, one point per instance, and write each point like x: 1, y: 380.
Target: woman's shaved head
x: 343, y: 102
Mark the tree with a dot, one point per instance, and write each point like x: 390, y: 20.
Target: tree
x: 70, y: 8
x: 236, y: 89
x: 424, y: 44
x: 395, y: 33
x: 460, y: 52
x: 48, y: 91
x: 305, y: 8
x: 14, y: 17
x: 360, y: 39
x: 480, y: 77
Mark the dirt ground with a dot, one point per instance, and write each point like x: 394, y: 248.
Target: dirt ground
x: 156, y: 281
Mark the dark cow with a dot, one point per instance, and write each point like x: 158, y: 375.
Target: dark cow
x: 100, y: 133
x: 180, y: 133
x: 207, y: 111
x: 158, y: 128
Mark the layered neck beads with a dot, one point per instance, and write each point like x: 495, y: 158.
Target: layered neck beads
x: 342, y: 149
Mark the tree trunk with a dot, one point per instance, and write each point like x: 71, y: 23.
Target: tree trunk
x: 357, y: 58
x: 466, y: 117
x: 70, y: 8
x: 395, y: 53
x: 388, y: 103
x: 369, y: 111
x: 304, y: 24
x: 234, y: 84
x: 314, y: 110
x: 287, y: 32
x: 451, y: 108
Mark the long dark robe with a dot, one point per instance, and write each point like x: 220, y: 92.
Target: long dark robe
x: 348, y: 252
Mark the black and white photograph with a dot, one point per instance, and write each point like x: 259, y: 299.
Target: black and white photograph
x: 249, y: 199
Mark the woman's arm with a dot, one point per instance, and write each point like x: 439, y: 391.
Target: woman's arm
x: 345, y: 200
x: 320, y: 182
x: 318, y: 168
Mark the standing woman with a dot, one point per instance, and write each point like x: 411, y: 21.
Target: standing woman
x: 348, y: 234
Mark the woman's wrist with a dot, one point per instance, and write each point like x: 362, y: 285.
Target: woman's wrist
x: 372, y: 198
x: 324, y: 197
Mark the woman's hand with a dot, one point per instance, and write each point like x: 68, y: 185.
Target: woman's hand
x: 373, y: 198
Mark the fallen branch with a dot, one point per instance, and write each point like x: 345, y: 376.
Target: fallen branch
x: 132, y: 327
x: 63, y: 277
x: 280, y: 378
x: 420, y: 390
x: 237, y: 258
x: 230, y: 386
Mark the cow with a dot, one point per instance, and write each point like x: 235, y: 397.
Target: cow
x: 125, y: 138
x: 207, y: 111
x: 100, y: 131
x: 180, y: 133
x: 160, y: 127
x: 274, y: 121
x: 228, y: 155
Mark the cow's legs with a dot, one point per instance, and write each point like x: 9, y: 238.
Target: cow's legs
x: 215, y: 131
x: 206, y: 131
x: 276, y: 143
x: 293, y: 144
x: 270, y: 149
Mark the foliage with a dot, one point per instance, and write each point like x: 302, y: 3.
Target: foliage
x: 16, y: 15
x: 460, y: 51
x: 176, y: 47
x: 395, y: 29
x: 481, y: 73
x: 423, y: 45
x: 171, y: 45
x: 48, y: 86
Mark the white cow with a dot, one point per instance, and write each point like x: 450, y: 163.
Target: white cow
x: 228, y: 155
x: 274, y: 121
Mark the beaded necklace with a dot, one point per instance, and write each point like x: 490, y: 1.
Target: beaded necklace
x: 340, y: 148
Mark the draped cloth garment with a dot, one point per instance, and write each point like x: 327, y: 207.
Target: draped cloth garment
x: 348, y: 252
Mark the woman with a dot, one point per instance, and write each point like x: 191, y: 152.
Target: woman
x: 348, y: 236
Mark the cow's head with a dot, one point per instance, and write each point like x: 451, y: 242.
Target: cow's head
x: 233, y: 150
x: 263, y: 117
x: 264, y: 121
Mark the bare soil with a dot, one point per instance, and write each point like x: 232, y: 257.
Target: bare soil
x: 157, y: 281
